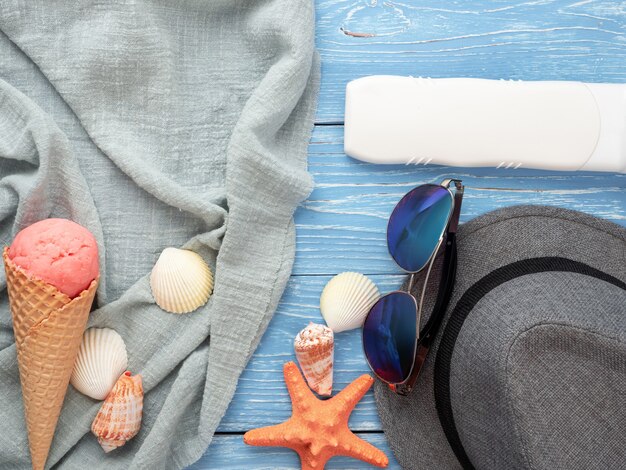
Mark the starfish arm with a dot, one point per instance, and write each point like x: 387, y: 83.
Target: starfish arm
x: 268, y: 436
x: 312, y: 462
x: 355, y: 447
x: 348, y: 398
x: 301, y: 395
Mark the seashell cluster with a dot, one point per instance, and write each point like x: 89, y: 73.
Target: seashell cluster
x: 101, y: 360
x: 315, y: 350
x: 119, y: 418
x: 346, y: 300
x: 181, y: 281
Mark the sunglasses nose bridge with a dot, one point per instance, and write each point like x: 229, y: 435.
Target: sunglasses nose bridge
x: 411, y: 283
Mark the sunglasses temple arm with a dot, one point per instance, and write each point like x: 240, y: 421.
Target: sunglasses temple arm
x: 446, y: 283
x: 451, y: 229
x: 429, y: 331
x: 458, y: 200
x: 448, y: 273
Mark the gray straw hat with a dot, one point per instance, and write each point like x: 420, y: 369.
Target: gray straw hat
x: 529, y: 369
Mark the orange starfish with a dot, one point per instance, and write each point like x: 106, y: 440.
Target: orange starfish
x: 318, y: 429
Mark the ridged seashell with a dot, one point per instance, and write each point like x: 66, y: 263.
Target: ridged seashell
x: 181, y: 281
x: 119, y: 418
x: 315, y: 350
x: 101, y: 360
x: 346, y: 300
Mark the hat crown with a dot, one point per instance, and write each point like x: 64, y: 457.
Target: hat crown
x: 538, y: 371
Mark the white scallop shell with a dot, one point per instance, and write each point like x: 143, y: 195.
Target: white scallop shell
x: 181, y: 281
x: 346, y: 301
x: 101, y: 360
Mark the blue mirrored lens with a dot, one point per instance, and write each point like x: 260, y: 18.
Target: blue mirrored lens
x: 416, y: 224
x: 389, y: 336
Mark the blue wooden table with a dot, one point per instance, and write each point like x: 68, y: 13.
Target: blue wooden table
x: 341, y: 227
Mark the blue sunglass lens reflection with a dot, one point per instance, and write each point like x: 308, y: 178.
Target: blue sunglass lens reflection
x: 416, y: 224
x: 389, y: 336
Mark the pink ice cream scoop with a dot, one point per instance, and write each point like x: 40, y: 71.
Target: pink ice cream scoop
x: 59, y: 252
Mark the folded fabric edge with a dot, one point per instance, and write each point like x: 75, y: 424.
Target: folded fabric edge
x: 237, y: 289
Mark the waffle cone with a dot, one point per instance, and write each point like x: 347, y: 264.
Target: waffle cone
x: 48, y: 328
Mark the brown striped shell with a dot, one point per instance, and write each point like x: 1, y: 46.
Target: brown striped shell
x: 119, y: 418
x: 315, y: 350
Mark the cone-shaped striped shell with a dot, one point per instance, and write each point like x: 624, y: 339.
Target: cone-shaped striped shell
x: 346, y: 301
x: 180, y: 281
x: 119, y: 418
x: 315, y: 350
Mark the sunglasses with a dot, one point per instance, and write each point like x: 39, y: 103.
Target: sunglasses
x: 421, y: 225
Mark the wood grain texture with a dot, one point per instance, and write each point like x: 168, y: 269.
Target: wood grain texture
x: 228, y: 452
x: 510, y: 39
x: 341, y: 227
x: 261, y: 398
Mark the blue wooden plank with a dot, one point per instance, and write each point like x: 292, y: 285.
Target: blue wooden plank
x: 341, y: 227
x: 229, y: 452
x: 526, y: 40
x: 261, y: 398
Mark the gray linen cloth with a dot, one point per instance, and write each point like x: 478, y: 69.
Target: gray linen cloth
x: 157, y: 124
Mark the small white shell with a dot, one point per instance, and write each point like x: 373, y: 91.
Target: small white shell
x: 101, y: 360
x: 346, y: 301
x: 181, y: 281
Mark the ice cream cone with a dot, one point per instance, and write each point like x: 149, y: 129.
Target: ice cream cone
x: 48, y: 328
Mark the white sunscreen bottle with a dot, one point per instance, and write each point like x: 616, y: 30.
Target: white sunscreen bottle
x: 476, y: 123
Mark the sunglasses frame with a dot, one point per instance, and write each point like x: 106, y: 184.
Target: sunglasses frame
x: 425, y: 336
